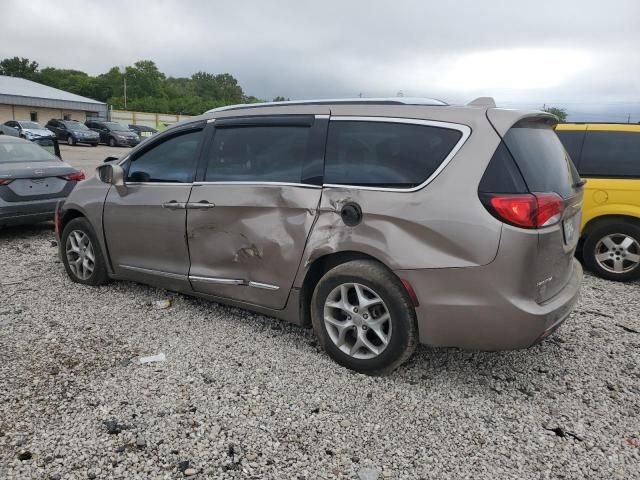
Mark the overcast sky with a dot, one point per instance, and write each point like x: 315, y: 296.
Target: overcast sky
x: 581, y: 54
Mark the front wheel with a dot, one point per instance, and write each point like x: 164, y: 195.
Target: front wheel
x: 81, y: 253
x: 612, y: 251
x: 70, y: 140
x: 363, y: 317
x: 112, y: 142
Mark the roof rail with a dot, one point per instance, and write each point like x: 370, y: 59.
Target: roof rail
x: 482, y: 102
x: 341, y: 101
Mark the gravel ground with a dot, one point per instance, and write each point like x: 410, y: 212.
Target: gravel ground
x: 241, y: 395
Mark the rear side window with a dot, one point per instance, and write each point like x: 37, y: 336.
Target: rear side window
x: 172, y: 160
x: 381, y: 154
x: 258, y: 154
x: 502, y: 174
x: 572, y: 141
x: 611, y: 154
x: 542, y: 159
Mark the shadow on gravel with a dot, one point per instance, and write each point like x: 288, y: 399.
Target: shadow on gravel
x: 25, y: 231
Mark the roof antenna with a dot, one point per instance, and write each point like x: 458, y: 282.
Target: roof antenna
x: 488, y: 102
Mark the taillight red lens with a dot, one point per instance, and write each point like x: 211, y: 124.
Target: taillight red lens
x: 528, y: 210
x: 76, y: 176
x: 550, y: 208
x: 5, y: 181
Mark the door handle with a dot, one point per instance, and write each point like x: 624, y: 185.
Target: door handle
x: 201, y: 205
x: 174, y: 205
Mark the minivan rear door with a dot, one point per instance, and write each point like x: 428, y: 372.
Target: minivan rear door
x: 546, y: 168
x: 254, y: 204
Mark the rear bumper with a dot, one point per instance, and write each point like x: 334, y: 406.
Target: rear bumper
x: 469, y: 308
x: 28, y: 212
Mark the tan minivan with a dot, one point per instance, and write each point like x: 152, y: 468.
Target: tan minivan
x: 382, y: 223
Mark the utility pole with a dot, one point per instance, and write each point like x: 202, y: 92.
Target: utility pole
x: 125, y: 90
x: 629, y: 118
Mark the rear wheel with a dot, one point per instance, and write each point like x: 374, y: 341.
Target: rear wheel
x: 612, y: 251
x: 363, y: 317
x: 81, y: 253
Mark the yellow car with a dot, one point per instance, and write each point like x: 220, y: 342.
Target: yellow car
x: 607, y: 156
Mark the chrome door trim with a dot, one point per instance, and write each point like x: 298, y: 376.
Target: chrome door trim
x: 159, y: 184
x: 159, y: 273
x: 265, y: 286
x: 219, y: 281
x: 267, y: 184
x: 463, y: 129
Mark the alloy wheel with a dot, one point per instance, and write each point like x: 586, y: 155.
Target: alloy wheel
x: 357, y: 320
x: 80, y: 254
x: 618, y: 253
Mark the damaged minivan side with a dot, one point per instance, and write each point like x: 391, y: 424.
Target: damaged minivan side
x: 381, y: 223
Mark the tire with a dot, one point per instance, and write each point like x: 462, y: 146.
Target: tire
x: 94, y: 144
x: 112, y: 142
x: 612, y: 250
x: 70, y: 140
x: 80, y: 228
x: 364, y: 280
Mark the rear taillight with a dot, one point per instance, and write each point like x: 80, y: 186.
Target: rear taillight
x: 526, y: 210
x: 76, y: 176
x: 5, y: 181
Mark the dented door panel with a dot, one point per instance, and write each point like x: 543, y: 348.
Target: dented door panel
x: 248, y: 247
x: 427, y: 228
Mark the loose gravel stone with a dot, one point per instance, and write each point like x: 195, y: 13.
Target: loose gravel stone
x: 241, y: 395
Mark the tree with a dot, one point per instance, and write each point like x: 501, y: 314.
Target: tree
x: 19, y: 67
x: 561, y: 113
x: 281, y: 99
x: 144, y: 79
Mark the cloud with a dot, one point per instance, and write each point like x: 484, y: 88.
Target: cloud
x: 571, y: 52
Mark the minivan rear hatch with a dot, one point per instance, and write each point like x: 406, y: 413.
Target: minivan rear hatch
x: 548, y: 174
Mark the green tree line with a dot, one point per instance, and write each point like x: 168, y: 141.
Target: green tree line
x: 148, y: 89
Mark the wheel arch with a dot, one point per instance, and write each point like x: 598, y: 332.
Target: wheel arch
x: 317, y: 269
x: 68, y: 215
x: 604, y: 219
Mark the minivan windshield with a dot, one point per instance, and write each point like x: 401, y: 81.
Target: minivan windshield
x: 115, y: 127
x: 30, y: 125
x: 542, y: 159
x: 76, y: 126
x: 17, y: 152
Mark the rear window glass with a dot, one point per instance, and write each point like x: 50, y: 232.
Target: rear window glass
x: 399, y: 155
x: 502, y: 174
x: 24, y: 152
x: 611, y: 154
x: 572, y: 141
x: 542, y: 159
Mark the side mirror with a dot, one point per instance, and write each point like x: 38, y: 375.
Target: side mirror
x: 17, y: 127
x: 113, y: 175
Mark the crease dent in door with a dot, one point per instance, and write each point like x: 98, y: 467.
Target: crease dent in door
x: 256, y: 233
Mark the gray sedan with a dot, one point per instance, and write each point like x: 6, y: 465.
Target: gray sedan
x: 32, y: 181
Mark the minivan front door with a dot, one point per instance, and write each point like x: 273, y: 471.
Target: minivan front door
x: 144, y: 224
x: 249, y: 216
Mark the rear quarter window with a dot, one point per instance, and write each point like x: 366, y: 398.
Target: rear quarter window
x: 611, y: 154
x: 542, y: 159
x: 572, y: 141
x: 385, y: 154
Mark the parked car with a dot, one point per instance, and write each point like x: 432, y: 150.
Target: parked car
x: 143, y: 131
x: 608, y: 157
x: 5, y: 130
x: 32, y: 181
x: 382, y: 223
x: 114, y: 134
x: 73, y: 132
x: 28, y: 129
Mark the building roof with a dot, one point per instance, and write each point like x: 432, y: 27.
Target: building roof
x: 26, y: 88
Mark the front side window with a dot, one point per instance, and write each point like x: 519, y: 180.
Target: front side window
x: 258, y: 154
x: 385, y: 154
x: 173, y: 160
x: 611, y: 154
